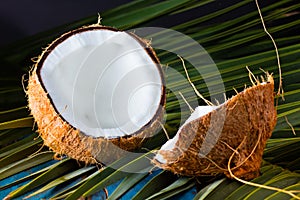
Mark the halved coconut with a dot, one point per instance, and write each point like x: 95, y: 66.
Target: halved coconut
x: 245, y: 123
x: 96, y: 92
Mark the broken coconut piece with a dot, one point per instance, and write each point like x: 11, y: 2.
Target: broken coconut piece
x: 246, y: 120
x: 96, y: 92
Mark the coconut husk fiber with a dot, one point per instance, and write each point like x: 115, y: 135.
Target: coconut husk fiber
x: 63, y: 138
x: 246, y: 120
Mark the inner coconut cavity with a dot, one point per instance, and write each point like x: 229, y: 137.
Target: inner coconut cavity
x: 103, y: 82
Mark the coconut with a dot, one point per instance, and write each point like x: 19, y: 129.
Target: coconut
x: 96, y: 93
x: 245, y: 122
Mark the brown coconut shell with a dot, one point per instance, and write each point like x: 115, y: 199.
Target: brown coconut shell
x: 62, y: 137
x: 250, y: 117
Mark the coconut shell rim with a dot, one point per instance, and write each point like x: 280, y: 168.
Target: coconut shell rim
x: 149, y: 50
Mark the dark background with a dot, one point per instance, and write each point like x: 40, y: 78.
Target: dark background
x: 21, y: 18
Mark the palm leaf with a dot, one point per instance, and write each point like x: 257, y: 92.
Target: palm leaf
x: 272, y: 176
x: 233, y: 44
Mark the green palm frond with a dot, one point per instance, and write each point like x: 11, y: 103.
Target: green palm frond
x: 233, y: 44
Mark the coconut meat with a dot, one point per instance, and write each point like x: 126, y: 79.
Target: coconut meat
x: 103, y: 82
x: 199, y: 111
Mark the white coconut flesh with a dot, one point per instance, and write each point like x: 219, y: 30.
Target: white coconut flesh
x: 199, y: 112
x: 103, y: 82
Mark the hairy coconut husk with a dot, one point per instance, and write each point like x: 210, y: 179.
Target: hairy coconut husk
x: 64, y: 139
x: 250, y: 117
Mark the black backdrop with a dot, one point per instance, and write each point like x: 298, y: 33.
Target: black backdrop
x: 21, y: 18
